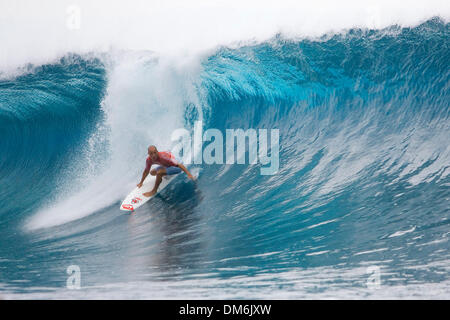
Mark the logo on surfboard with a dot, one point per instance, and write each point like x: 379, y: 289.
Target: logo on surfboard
x: 127, y: 207
x: 136, y: 200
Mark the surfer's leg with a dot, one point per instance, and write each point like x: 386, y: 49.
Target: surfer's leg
x: 155, y: 170
x: 159, y: 174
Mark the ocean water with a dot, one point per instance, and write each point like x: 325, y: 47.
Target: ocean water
x: 362, y: 191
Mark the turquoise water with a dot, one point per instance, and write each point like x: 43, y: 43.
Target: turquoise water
x: 363, y: 179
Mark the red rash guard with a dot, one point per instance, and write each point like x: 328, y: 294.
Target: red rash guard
x: 166, y: 159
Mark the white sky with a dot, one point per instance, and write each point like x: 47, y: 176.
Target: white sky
x: 39, y: 31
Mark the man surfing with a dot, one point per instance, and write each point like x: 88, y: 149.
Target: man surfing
x: 167, y: 166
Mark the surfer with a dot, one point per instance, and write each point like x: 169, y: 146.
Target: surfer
x: 167, y: 166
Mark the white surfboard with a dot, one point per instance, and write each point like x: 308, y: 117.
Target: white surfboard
x: 136, y: 198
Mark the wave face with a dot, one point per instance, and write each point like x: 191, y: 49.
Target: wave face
x: 363, y: 179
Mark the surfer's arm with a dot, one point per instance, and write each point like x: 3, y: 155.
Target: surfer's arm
x: 144, y: 175
x: 182, y: 167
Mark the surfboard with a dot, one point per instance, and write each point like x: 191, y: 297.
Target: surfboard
x: 135, y: 198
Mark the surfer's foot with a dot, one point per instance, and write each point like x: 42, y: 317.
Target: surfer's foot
x: 149, y: 194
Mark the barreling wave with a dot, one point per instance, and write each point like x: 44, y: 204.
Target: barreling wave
x: 364, y: 159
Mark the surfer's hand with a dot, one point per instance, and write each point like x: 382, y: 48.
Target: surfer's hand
x: 139, y: 184
x: 191, y: 177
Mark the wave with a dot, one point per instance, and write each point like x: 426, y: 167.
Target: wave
x: 363, y: 119
x: 45, y: 116
x: 365, y: 99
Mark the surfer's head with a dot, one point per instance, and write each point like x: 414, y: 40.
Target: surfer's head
x: 153, y: 153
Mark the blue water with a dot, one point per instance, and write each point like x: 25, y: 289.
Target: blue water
x: 363, y: 178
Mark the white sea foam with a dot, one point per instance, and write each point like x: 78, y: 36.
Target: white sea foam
x: 311, y: 283
x: 144, y: 104
x: 38, y: 32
